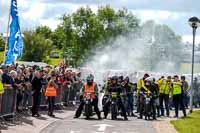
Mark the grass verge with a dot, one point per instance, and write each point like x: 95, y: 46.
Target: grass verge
x: 191, y: 124
x: 55, y: 61
x: 1, y: 56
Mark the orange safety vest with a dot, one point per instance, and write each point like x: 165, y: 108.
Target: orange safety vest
x: 90, y: 88
x: 50, y: 91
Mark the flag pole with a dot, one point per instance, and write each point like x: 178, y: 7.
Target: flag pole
x: 7, y: 32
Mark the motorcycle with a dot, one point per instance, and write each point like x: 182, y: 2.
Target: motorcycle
x: 88, y: 108
x: 114, y: 106
x: 140, y: 103
x: 147, y: 105
x: 105, y: 99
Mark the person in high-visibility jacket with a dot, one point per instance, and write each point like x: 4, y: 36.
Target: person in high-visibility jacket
x: 105, y: 86
x: 51, y: 93
x: 177, y: 90
x: 1, y: 84
x: 140, y: 83
x: 105, y: 91
x: 90, y: 87
x: 165, y: 86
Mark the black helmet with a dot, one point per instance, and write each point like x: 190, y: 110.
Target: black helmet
x: 121, y: 78
x: 127, y: 78
x: 114, y: 78
x: 90, y: 77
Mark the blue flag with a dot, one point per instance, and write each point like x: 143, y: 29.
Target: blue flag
x: 15, y: 40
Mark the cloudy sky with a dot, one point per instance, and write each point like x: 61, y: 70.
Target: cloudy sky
x: 174, y: 13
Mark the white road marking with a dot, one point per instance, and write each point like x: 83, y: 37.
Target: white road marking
x: 74, y: 132
x: 133, y: 132
x: 102, y: 127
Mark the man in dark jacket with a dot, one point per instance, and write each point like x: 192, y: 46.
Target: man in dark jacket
x: 36, y: 93
x: 117, y: 88
x: 128, y: 86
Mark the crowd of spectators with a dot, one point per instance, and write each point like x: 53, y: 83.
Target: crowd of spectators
x: 30, y: 83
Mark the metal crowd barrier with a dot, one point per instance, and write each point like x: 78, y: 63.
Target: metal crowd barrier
x: 8, y: 103
x: 69, y: 93
x: 65, y: 94
x: 0, y: 104
x: 58, y: 99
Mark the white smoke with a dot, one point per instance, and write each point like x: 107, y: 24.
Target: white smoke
x: 130, y: 54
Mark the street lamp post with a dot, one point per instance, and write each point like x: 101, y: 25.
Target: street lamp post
x: 194, y: 23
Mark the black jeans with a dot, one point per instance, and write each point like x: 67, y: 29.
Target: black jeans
x: 178, y: 102
x: 19, y: 99
x: 153, y: 107
x: 65, y: 95
x: 164, y: 98
x: 82, y: 103
x: 185, y: 100
x: 130, y: 103
x: 120, y: 105
x: 36, y: 103
x: 51, y: 102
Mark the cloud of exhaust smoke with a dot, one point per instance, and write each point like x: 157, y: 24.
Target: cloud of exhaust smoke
x: 130, y: 53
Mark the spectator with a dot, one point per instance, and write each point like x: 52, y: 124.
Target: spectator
x: 36, y: 93
x: 18, y: 81
x: 67, y: 86
x: 27, y: 94
x: 51, y: 94
x: 60, y: 81
x: 7, y: 81
x: 1, y: 84
x: 185, y: 98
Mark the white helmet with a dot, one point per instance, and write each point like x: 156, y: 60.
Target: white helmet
x: 150, y: 79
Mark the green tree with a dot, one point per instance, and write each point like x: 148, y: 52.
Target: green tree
x: 2, y: 43
x: 58, y: 37
x: 83, y: 31
x: 45, y: 31
x: 108, y: 18
x: 36, y: 47
x: 126, y: 22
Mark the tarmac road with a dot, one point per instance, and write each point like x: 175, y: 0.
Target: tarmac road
x: 71, y: 125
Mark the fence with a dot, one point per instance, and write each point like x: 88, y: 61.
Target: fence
x: 8, y: 103
x: 8, y: 100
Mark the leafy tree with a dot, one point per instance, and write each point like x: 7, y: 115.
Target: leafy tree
x: 36, y: 47
x: 81, y: 32
x: 2, y: 43
x: 58, y: 37
x: 45, y: 31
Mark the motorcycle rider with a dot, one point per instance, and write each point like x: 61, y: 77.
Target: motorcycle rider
x: 128, y: 86
x: 115, y: 87
x: 105, y: 90
x: 141, y: 100
x: 153, y: 88
x: 90, y: 86
x: 106, y: 85
x: 140, y: 85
